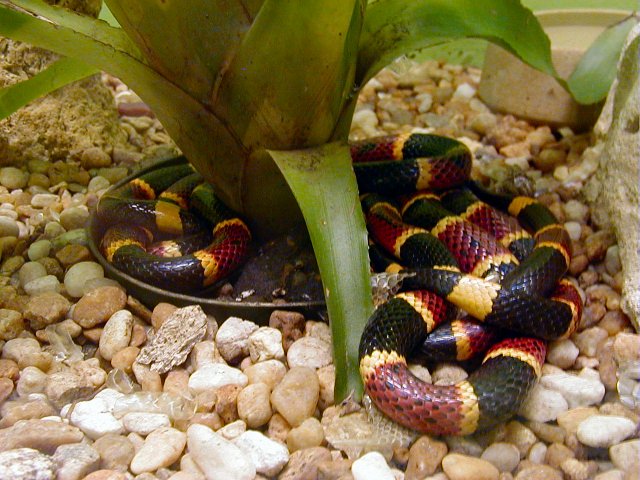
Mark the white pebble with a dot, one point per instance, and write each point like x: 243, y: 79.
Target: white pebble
x: 577, y: 391
x: 98, y: 183
x: 94, y: 418
x: 543, y: 405
x: 232, y: 338
x: 504, y: 456
x: 424, y: 101
x: 464, y: 91
x: 309, y: 352
x: 266, y: 344
x: 48, y: 283
x: 576, y: 211
x: 562, y: 353
x: 215, y: 375
x: 143, y: 423
x: 116, y: 334
x: 217, y: 457
x: 537, y: 453
x: 367, y: 121
x: 233, y: 430
x: 371, y: 465
x: 268, y: 456
x: 79, y: 274
x: 574, y: 229
x: 605, y: 430
x: 32, y: 380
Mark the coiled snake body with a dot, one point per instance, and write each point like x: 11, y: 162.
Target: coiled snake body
x: 461, y: 253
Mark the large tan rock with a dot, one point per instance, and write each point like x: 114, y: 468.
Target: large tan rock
x: 56, y: 126
x: 613, y: 191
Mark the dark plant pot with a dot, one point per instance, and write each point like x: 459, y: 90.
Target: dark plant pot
x: 150, y: 295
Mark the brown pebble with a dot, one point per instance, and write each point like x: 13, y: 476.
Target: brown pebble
x: 43, y: 435
x: 16, y: 410
x: 226, y: 405
x: 547, y: 432
x: 93, y: 334
x: 557, y: 453
x: 304, y: 463
x: 614, y: 322
x: 425, y: 456
x: 208, y: 419
x: 98, y: 305
x: 46, y: 308
x: 138, y: 335
x: 72, y: 254
x: 139, y: 309
x: 291, y: 324
x: 578, y: 264
x: 125, y: 358
x: 339, y: 468
x: 461, y: 467
x: 160, y: 313
x: 278, y: 428
x: 176, y: 381
x: 6, y: 388
x: 607, y: 367
x: 596, y: 245
x: 9, y: 369
x: 106, y: 475
x: 626, y: 348
x: 149, y: 380
x: 53, y: 267
x: 539, y: 472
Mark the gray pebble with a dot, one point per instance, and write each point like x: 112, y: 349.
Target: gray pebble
x: 30, y: 271
x: 98, y: 183
x: 74, y: 217
x: 48, y: 283
x: 13, y: 178
x: 80, y: 273
x: 95, y: 157
x: 39, y: 249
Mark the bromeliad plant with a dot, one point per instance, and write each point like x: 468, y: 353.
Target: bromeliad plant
x: 260, y: 94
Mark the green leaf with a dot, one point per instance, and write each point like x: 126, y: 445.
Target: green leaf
x: 592, y: 78
x: 325, y: 187
x: 292, y: 74
x: 24, y: 17
x: 58, y: 74
x: 188, y: 42
x: 395, y: 27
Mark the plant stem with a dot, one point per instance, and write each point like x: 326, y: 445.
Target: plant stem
x: 324, y: 185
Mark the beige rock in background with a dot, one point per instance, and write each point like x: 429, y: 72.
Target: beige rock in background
x: 613, y: 191
x: 60, y: 119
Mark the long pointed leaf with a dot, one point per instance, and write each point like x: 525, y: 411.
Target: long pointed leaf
x: 323, y: 182
x: 596, y: 70
x: 58, y: 74
x: 396, y: 27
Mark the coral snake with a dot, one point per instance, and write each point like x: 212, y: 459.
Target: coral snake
x: 459, y: 254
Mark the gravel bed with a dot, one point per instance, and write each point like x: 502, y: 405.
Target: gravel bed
x: 94, y: 385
